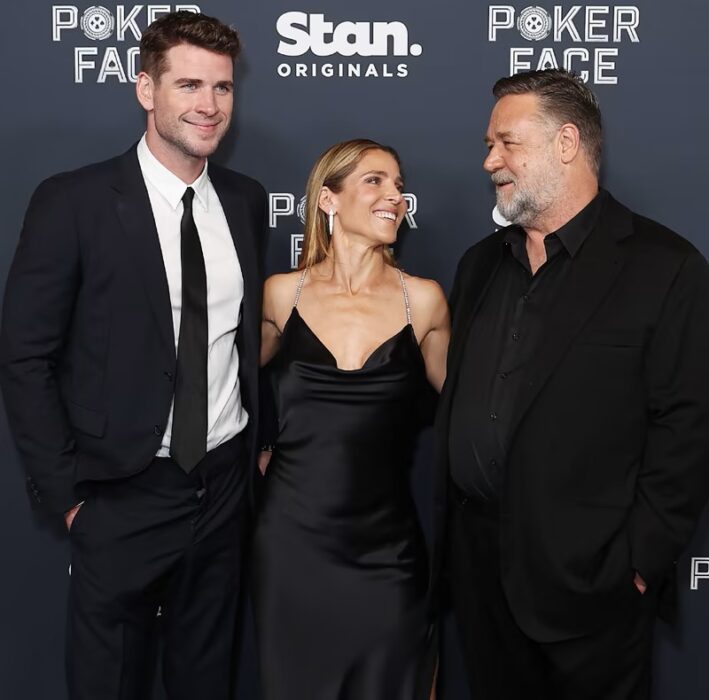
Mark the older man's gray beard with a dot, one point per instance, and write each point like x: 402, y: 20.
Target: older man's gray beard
x: 521, y: 207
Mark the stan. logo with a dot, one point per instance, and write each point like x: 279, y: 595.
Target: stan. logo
x: 303, y: 34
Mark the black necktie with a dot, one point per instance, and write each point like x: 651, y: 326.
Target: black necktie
x: 189, y: 419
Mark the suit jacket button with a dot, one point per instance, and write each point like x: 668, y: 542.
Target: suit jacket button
x: 157, y: 430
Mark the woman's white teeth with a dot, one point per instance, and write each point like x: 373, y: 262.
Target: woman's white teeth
x: 385, y: 215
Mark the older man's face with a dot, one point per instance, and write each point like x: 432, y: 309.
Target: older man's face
x: 522, y: 159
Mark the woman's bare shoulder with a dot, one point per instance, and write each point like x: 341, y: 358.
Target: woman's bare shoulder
x: 279, y: 293
x: 423, y: 291
x: 282, y: 284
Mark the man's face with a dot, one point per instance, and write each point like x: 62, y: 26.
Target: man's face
x: 522, y: 160
x: 191, y: 103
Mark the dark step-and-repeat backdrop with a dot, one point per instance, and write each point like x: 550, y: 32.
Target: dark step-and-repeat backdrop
x: 416, y: 75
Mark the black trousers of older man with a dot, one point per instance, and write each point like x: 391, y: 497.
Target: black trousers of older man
x: 160, y: 540
x: 502, y: 663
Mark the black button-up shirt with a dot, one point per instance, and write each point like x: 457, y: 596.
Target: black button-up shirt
x: 502, y: 339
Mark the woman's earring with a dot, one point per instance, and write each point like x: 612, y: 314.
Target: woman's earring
x: 331, y: 221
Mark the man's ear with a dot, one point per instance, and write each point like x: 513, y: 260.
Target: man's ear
x: 569, y: 142
x: 144, y: 88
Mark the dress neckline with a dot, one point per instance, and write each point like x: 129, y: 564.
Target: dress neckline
x: 391, y: 340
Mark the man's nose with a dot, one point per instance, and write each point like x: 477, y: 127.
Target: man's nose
x: 493, y: 161
x: 207, y: 102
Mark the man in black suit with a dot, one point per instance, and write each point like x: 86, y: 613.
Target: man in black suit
x: 574, y: 423
x: 129, y: 370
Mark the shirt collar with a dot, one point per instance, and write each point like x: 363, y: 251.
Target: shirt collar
x: 573, y: 233
x: 170, y: 187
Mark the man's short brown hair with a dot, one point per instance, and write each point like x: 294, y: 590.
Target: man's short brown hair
x: 184, y: 27
x: 563, y: 98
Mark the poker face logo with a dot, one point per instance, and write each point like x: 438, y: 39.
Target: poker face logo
x: 534, y: 23
x: 282, y: 205
x: 584, y: 39
x: 301, y: 35
x: 97, y: 23
x: 121, y: 25
x: 699, y: 571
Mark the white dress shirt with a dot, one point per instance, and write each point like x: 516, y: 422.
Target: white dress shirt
x: 225, y: 289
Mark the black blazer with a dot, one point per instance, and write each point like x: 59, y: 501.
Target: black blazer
x: 608, y: 466
x: 87, y: 350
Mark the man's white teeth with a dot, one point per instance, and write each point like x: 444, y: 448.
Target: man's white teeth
x: 385, y: 215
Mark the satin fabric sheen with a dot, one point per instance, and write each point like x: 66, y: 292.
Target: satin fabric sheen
x: 339, y: 562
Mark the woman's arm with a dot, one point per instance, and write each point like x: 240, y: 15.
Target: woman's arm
x: 278, y: 295
x: 432, y: 323
x: 270, y: 333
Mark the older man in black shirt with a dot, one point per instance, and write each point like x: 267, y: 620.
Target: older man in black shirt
x: 574, y: 424
x: 510, y: 322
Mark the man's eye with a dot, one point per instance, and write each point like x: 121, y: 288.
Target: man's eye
x: 223, y: 89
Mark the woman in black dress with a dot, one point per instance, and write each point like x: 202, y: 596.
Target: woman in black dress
x: 339, y: 563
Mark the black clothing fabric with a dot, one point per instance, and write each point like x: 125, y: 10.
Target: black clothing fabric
x: 606, y: 465
x: 88, y: 364
x: 339, y: 563
x: 189, y: 424
x: 87, y: 349
x: 503, y: 337
x: 166, y: 540
x: 503, y: 663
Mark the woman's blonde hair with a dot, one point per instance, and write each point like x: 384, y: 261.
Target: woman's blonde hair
x: 330, y: 170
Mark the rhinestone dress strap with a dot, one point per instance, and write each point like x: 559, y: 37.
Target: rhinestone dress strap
x: 406, y: 295
x: 299, y: 288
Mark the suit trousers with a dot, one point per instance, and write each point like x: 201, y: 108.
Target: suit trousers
x: 502, y: 662
x: 157, y: 556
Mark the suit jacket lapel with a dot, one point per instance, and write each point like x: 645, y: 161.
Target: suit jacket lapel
x: 136, y: 217
x: 590, y: 278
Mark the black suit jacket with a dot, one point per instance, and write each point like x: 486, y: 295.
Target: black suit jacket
x: 87, y: 350
x: 608, y: 467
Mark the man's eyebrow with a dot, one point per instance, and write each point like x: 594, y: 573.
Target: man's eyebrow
x: 199, y: 81
x: 501, y: 135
